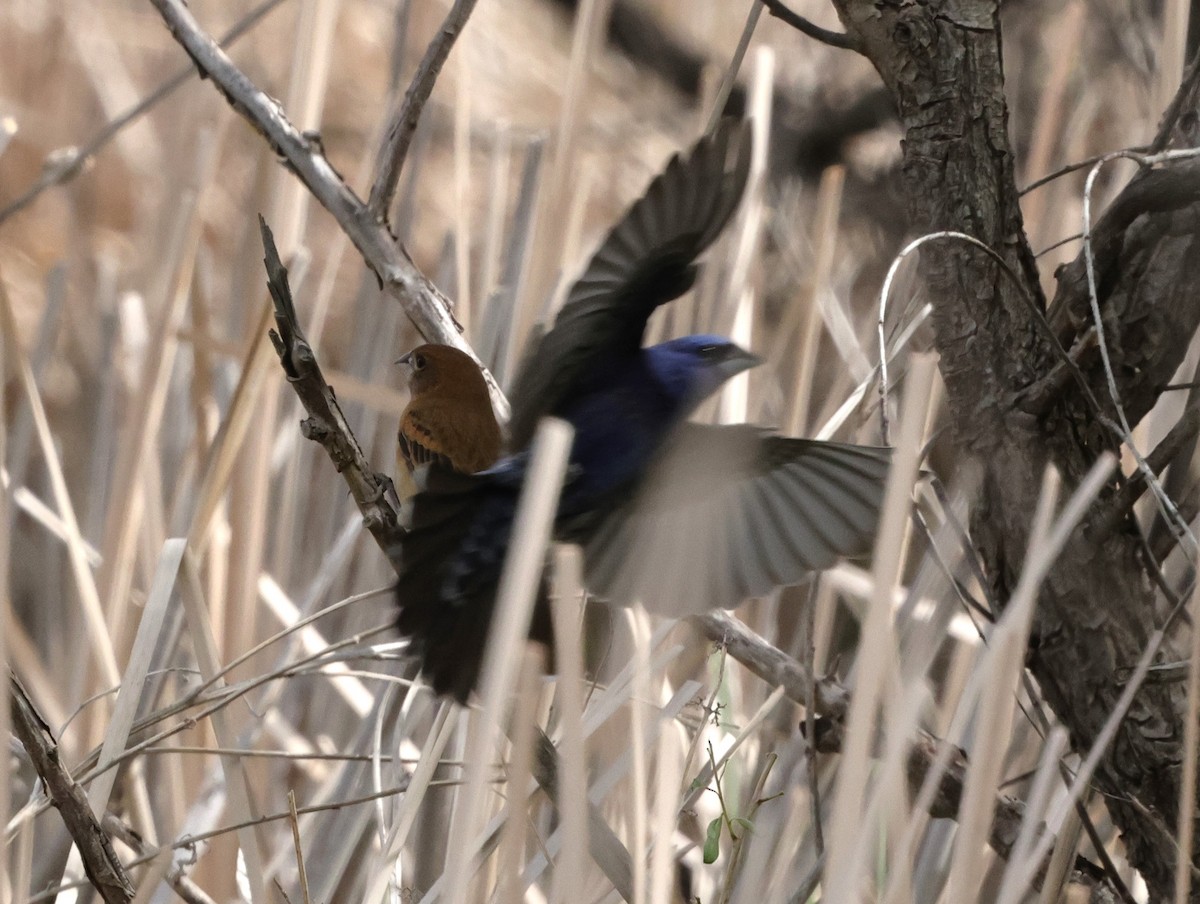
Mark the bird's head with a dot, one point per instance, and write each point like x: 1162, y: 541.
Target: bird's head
x: 445, y: 369
x: 693, y: 367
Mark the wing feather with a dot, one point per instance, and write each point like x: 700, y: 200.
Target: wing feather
x: 647, y: 259
x: 728, y: 513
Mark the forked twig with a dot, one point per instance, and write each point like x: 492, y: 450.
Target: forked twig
x: 302, y: 153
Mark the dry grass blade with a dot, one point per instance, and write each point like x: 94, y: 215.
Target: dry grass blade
x: 140, y: 656
x: 510, y: 624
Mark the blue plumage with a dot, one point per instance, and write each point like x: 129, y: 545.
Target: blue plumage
x: 679, y: 516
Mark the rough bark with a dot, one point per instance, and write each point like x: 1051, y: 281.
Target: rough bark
x: 942, y: 62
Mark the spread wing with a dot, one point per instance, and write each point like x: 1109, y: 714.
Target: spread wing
x: 729, y: 513
x: 647, y: 259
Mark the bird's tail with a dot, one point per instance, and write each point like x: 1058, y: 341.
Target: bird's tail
x: 449, y: 570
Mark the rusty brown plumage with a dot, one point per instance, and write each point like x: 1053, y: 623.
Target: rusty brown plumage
x: 449, y: 419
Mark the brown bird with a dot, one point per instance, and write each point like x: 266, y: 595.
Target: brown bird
x: 449, y: 420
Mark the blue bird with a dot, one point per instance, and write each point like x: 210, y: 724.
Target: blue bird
x: 682, y: 517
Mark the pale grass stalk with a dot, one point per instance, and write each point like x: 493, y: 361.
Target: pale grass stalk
x: 1173, y: 54
x: 573, y: 249
x: 146, y: 411
x: 600, y: 789
x: 717, y: 93
x: 567, y: 605
x: 1046, y: 782
x: 510, y: 623
x: 1003, y: 667
x: 740, y: 290
x: 26, y: 660
x: 242, y: 412
x: 1066, y: 37
x: 639, y: 701
x: 826, y: 611
x: 360, y: 700
x: 295, y: 822
x: 554, y: 193
x: 129, y: 695
x: 290, y: 629
x: 497, y: 205
x: 508, y: 345
x: 664, y: 811
x: 608, y: 700
x: 877, y: 653
x: 8, y: 889
x: 85, y: 583
x: 22, y: 861
x: 463, y: 306
x: 891, y: 800
x: 240, y: 799
x: 520, y: 773
x: 115, y: 87
x: 40, y: 353
x: 32, y: 506
x: 153, y: 876
x: 855, y: 400
x: 288, y: 214
x: 806, y: 308
x: 701, y: 733
x: 248, y: 519
x: 1191, y: 739
x: 962, y: 665
x: 779, y: 865
x: 965, y: 709
x: 1062, y: 860
x: 602, y: 786
x: 382, y: 709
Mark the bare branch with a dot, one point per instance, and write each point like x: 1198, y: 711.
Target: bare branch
x: 399, y: 277
x: 390, y: 161
x: 837, y: 39
x: 100, y: 862
x: 771, y: 664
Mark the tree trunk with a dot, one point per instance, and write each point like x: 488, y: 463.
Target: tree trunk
x: 1016, y: 406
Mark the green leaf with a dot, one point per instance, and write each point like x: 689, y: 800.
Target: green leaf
x: 743, y: 822
x: 712, y: 841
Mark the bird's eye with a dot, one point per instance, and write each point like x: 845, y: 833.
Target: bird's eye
x: 709, y: 351
x: 418, y: 362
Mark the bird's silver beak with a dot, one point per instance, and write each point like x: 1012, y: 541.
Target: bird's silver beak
x: 739, y: 360
x: 403, y: 359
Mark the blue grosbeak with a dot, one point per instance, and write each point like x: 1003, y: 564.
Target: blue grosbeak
x: 448, y: 422
x: 682, y: 517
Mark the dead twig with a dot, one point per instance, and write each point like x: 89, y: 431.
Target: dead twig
x: 403, y: 125
x: 100, y: 862
x: 325, y: 422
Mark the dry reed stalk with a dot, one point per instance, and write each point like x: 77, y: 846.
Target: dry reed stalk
x: 567, y: 605
x: 553, y: 195
x: 845, y: 839
x: 8, y: 887
x: 1191, y: 740
x: 1048, y: 124
x: 510, y: 624
x: 805, y: 311
x: 241, y: 797
x: 462, y: 190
